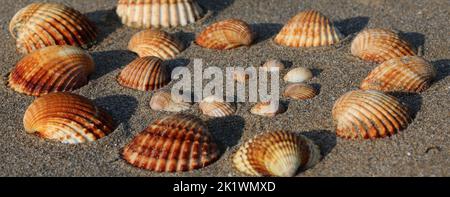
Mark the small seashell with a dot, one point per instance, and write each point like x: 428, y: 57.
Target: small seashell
x: 268, y: 108
x: 39, y: 25
x: 226, y: 34
x: 68, y: 118
x: 158, y: 13
x: 155, y: 43
x: 51, y: 69
x: 379, y: 45
x: 369, y: 114
x: 273, y: 65
x: 165, y: 101
x: 215, y: 107
x: 299, y: 91
x: 173, y: 144
x: 309, y: 28
x: 277, y: 153
x: 298, y: 75
x: 144, y: 73
x: 401, y: 74
x: 240, y: 76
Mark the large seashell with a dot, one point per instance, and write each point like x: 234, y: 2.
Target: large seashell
x: 308, y: 29
x: 165, y: 101
x: 273, y: 65
x: 215, y: 107
x: 401, y: 74
x: 369, y: 114
x: 51, y: 69
x: 158, y: 13
x: 278, y: 153
x: 145, y: 73
x: 299, y: 91
x: 298, y: 75
x: 175, y: 143
x: 267, y: 108
x: 379, y: 45
x: 45, y: 24
x: 155, y: 43
x: 68, y: 118
x: 226, y: 34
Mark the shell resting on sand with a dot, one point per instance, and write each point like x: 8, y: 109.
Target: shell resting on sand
x: 165, y: 101
x: 155, y: 43
x: 214, y: 107
x: 299, y: 91
x: 226, y: 34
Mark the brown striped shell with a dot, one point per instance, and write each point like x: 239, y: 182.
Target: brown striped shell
x: 214, y: 107
x: 144, y: 73
x: 159, y: 13
x: 67, y: 118
x: 379, y: 45
x: 51, y: 69
x: 309, y: 28
x: 39, y: 25
x: 299, y: 91
x: 277, y: 153
x: 369, y: 114
x: 401, y: 74
x: 268, y: 109
x: 226, y: 34
x: 173, y: 144
x: 165, y: 101
x: 155, y: 43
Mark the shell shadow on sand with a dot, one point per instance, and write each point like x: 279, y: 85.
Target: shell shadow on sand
x: 215, y: 6
x: 412, y: 100
x: 121, y: 107
x: 326, y: 140
x: 265, y: 31
x: 105, y: 64
x: 227, y: 131
x: 442, y: 68
x: 417, y: 40
x: 352, y: 25
x: 106, y: 21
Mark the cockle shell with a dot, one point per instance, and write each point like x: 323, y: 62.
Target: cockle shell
x: 273, y: 65
x: 68, y: 118
x: 158, y: 13
x: 226, y: 34
x: 298, y: 75
x: 299, y: 91
x: 268, y: 108
x: 165, y: 101
x: 145, y: 73
x: 401, y: 74
x: 379, y: 45
x: 155, y: 43
x: 215, y: 107
x: 277, y: 153
x: 173, y: 144
x: 39, y: 25
x: 51, y: 69
x: 309, y: 28
x: 369, y: 114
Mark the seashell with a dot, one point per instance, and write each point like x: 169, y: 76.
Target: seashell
x: 51, y: 69
x: 298, y: 75
x: 369, y: 114
x: 165, y: 101
x: 240, y: 76
x: 155, y: 43
x: 67, y: 118
x: 277, y: 153
x: 309, y: 28
x: 273, y: 65
x: 215, y: 107
x: 226, y: 34
x: 268, y: 108
x: 173, y: 144
x: 158, y: 13
x: 144, y: 73
x: 39, y: 25
x: 379, y: 45
x: 401, y: 74
x: 299, y: 91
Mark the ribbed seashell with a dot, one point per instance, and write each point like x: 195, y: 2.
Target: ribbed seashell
x: 165, y: 101
x: 155, y: 43
x: 401, y: 74
x: 39, y: 25
x: 51, y: 69
x: 268, y: 108
x: 144, y: 73
x: 158, y: 13
x: 369, y: 114
x: 277, y: 153
x: 173, y: 144
x: 273, y: 65
x: 298, y: 75
x: 379, y: 45
x: 68, y: 118
x: 226, y: 34
x: 308, y: 29
x: 299, y: 91
x: 215, y: 107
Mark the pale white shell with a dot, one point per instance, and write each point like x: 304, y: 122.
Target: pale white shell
x: 273, y: 65
x: 298, y: 75
x: 268, y: 108
x: 165, y: 101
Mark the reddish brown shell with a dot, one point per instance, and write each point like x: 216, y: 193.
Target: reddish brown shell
x: 226, y: 34
x: 299, y: 91
x: 155, y: 43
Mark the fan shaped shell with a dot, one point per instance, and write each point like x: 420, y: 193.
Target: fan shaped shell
x: 214, y: 107
x: 165, y: 101
x: 268, y: 108
x: 299, y: 91
x: 155, y: 43
x: 226, y: 34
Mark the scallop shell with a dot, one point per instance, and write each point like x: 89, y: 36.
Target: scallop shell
x: 308, y: 29
x: 51, y: 69
x: 401, y: 74
x: 273, y: 65
x: 298, y: 75
x: 299, y: 91
x: 68, y: 118
x: 155, y: 43
x: 277, y: 153
x: 379, y: 45
x: 214, y: 107
x: 39, y: 25
x: 369, y: 114
x: 173, y: 144
x: 226, y: 34
x: 145, y: 73
x: 158, y: 13
x: 165, y: 101
x: 267, y: 108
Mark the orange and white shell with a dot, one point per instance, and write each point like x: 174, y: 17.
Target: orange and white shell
x: 155, y: 43
x: 299, y: 91
x: 226, y: 34
x: 215, y: 107
x: 51, y: 69
x: 165, y: 101
x: 268, y: 109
